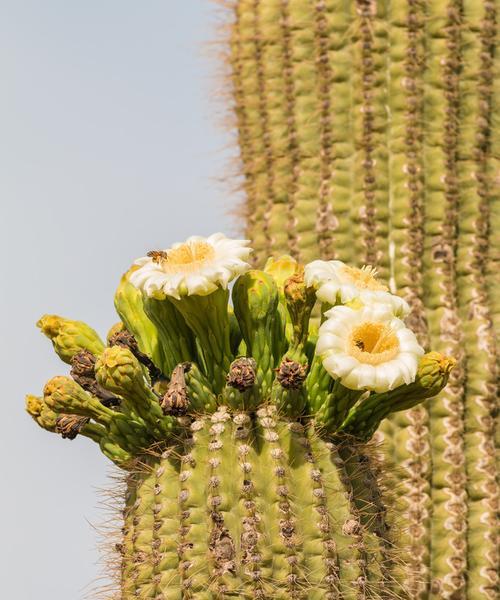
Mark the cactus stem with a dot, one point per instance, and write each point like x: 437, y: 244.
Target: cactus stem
x: 325, y: 226
x: 448, y: 541
x: 263, y: 219
x: 481, y: 384
x: 288, y: 75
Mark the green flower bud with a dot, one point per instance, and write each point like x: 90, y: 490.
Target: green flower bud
x: 63, y: 395
x: 69, y: 337
x: 300, y: 301
x: 281, y: 269
x: 41, y: 413
x: 34, y: 405
x: 120, y: 372
x: 433, y: 373
x: 255, y: 299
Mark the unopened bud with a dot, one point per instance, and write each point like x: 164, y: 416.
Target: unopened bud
x: 63, y: 395
x: 300, y: 301
x: 125, y: 339
x: 281, y: 269
x: 34, y: 405
x: 119, y: 371
x: 41, y: 413
x: 83, y: 372
x: 433, y: 371
x: 242, y: 374
x: 69, y: 337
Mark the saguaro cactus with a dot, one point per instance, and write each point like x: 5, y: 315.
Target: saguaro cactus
x: 369, y: 133
x: 243, y: 431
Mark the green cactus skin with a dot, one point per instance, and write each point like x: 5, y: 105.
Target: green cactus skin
x: 250, y: 507
x: 368, y: 132
x: 265, y: 488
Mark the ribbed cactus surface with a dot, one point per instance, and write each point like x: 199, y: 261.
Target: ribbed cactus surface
x: 242, y: 430
x: 369, y: 133
x: 254, y: 506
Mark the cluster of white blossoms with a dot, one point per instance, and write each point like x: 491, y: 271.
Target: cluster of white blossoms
x: 362, y: 342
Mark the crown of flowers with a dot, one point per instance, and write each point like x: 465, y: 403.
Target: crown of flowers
x: 324, y: 341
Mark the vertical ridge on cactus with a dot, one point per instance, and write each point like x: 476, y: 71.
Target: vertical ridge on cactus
x: 249, y: 467
x: 368, y: 133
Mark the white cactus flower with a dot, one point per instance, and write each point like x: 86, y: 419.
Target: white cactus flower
x: 368, y: 348
x: 338, y: 283
x: 197, y: 266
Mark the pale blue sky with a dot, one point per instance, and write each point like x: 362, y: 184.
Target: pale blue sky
x: 109, y: 146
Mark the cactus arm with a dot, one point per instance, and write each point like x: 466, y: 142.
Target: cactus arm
x: 490, y: 87
x: 407, y: 433
x: 369, y: 45
x: 472, y: 258
x: 441, y: 207
x: 256, y: 111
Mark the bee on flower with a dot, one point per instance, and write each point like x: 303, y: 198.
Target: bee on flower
x: 368, y: 348
x: 197, y: 266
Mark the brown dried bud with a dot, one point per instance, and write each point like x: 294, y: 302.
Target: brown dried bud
x: 242, y: 374
x: 69, y: 426
x: 291, y: 374
x: 125, y: 339
x: 176, y: 400
x: 82, y: 368
x: 83, y: 372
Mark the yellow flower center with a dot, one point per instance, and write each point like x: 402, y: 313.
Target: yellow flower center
x: 187, y: 257
x: 373, y: 343
x: 364, y: 278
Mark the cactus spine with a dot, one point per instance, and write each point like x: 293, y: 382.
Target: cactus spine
x: 369, y: 133
x: 249, y: 473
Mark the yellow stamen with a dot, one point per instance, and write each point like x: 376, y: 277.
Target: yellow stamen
x: 373, y: 343
x: 187, y: 257
x: 364, y: 278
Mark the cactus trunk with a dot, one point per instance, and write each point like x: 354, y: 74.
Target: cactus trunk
x: 252, y: 507
x: 369, y: 134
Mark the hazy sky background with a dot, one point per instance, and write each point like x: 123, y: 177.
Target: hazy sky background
x: 109, y: 146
